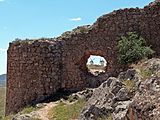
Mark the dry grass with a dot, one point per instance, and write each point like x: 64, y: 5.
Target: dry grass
x: 146, y: 73
x: 65, y: 111
x: 28, y: 109
x: 142, y: 69
x: 129, y: 84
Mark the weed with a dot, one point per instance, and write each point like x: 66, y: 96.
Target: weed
x: 129, y: 84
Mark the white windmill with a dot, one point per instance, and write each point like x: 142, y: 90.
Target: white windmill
x: 91, y: 62
x: 102, y: 62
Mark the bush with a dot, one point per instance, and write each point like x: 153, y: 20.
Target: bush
x: 132, y: 48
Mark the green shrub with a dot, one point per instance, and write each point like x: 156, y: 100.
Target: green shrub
x: 132, y: 48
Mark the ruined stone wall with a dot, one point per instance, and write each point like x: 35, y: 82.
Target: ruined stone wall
x: 101, y: 39
x: 33, y: 73
x: 37, y: 69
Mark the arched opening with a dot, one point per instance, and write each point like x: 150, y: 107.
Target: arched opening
x: 85, y: 64
x: 92, y: 77
x: 96, y: 65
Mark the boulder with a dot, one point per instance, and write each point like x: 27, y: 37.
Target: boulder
x: 146, y: 103
x: 105, y: 100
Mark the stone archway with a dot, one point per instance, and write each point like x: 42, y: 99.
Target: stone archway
x: 90, y: 79
x: 96, y: 65
x: 82, y: 62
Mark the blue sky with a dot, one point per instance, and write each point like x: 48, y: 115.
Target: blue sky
x: 49, y: 18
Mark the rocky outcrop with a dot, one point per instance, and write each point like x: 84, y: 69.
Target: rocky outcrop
x: 114, y: 100
x: 152, y: 66
x: 112, y: 97
x: 146, y: 103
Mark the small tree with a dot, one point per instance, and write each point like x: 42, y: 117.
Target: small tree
x: 132, y: 48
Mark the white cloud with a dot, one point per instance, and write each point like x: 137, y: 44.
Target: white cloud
x: 3, y: 50
x: 1, y: 0
x: 76, y: 19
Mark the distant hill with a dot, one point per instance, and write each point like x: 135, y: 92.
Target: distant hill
x: 3, y: 80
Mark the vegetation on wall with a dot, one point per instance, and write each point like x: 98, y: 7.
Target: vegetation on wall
x: 132, y: 48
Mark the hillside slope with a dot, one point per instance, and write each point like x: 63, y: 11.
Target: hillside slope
x: 2, y: 100
x: 2, y: 79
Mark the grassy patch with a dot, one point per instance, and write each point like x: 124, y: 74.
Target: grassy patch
x: 28, y: 110
x: 65, y: 111
x: 129, y: 84
x: 2, y: 100
x: 146, y: 73
x: 8, y: 117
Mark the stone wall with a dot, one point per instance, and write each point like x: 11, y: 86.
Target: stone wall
x: 33, y: 72
x: 101, y: 39
x: 38, y: 68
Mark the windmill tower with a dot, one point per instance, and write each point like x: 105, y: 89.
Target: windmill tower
x: 101, y: 62
x: 91, y: 62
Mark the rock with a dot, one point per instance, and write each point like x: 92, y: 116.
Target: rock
x: 122, y: 95
x: 146, y: 103
x: 131, y: 74
x: 85, y: 94
x: 22, y: 117
x: 121, y: 109
x: 103, y: 102
x: 40, y: 105
x: 94, y: 82
x: 29, y: 116
x: 153, y: 66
